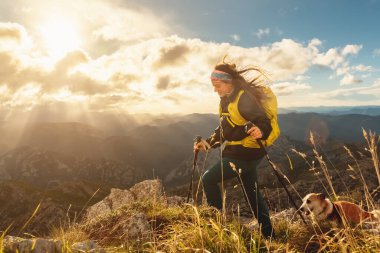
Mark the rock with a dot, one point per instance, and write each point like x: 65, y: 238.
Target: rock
x: 176, y: 200
x: 87, y: 246
x: 121, y: 226
x: 38, y: 245
x: 137, y: 226
x: 115, y: 200
x: 119, y: 198
x: 149, y: 190
x: 287, y: 214
x: 101, y: 208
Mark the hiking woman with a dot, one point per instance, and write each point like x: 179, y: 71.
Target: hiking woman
x: 241, y: 148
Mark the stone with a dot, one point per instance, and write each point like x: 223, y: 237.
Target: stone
x: 115, y: 200
x: 87, y: 246
x: 137, y: 226
x: 36, y: 245
x: 149, y: 190
x: 119, y: 198
x: 176, y: 200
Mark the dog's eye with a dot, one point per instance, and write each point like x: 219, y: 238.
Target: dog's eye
x: 308, y: 201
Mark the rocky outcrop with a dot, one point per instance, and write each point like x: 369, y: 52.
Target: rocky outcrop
x: 87, y: 246
x: 148, y: 190
x: 114, y: 218
x: 115, y: 200
x: 39, y: 245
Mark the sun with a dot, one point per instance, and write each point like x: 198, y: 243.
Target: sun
x: 59, y: 36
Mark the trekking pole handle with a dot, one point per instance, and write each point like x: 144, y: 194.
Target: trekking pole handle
x: 198, y: 139
x: 248, y: 125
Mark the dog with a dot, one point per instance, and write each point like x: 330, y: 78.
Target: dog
x: 323, y: 209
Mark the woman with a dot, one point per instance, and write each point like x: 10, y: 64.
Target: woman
x: 241, y: 147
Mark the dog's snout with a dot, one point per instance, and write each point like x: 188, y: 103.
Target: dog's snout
x: 305, y: 210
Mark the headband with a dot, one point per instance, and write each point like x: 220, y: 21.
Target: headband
x: 218, y: 75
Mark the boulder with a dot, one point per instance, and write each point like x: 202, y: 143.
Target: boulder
x: 149, y: 190
x: 121, y: 226
x: 37, y: 245
x: 119, y: 198
x: 137, y: 226
x: 115, y: 200
x: 87, y: 246
x: 177, y: 200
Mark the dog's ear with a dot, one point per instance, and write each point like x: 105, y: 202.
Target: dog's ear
x: 321, y: 195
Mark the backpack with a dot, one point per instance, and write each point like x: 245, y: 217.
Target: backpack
x: 268, y: 102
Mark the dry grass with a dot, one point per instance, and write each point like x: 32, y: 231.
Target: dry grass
x: 203, y: 229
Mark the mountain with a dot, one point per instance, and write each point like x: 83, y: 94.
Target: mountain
x: 346, y: 128
x: 163, y: 145
x: 335, y: 110
x: 43, y: 168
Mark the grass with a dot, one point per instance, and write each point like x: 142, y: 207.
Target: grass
x: 190, y: 228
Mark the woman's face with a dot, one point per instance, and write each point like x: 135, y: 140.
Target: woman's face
x: 222, y: 88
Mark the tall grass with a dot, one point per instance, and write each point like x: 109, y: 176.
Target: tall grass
x: 192, y: 228
x: 347, y: 238
x: 203, y: 229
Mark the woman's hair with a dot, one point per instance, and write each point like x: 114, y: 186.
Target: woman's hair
x: 240, y: 76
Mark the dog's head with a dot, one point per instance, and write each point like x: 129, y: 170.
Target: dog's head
x: 315, y: 203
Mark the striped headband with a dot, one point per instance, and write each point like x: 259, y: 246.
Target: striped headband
x: 218, y: 75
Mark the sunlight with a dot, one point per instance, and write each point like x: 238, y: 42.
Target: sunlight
x: 67, y: 95
x: 59, y: 37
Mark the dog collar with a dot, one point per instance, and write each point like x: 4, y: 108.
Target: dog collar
x: 334, y: 215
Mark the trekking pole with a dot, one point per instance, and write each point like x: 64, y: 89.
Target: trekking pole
x: 276, y: 172
x: 197, y: 140
x: 233, y: 166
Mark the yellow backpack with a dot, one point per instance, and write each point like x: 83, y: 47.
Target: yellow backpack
x: 268, y: 102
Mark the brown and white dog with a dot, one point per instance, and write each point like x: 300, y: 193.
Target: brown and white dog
x: 323, y: 209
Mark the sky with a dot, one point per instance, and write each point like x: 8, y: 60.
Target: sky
x: 155, y: 56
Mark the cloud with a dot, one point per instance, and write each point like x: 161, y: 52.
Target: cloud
x: 235, y: 37
x: 164, y: 66
x: 349, y: 79
x: 369, y: 91
x: 262, y: 32
x: 376, y: 52
x: 351, y: 49
x: 287, y: 58
x: 301, y: 78
x: 70, y: 60
x: 130, y: 61
x: 13, y: 37
x: 363, y: 68
x: 124, y: 24
x: 170, y: 56
x: 288, y: 88
x: 342, y: 70
x: 12, y: 31
x: 335, y: 57
x: 164, y: 83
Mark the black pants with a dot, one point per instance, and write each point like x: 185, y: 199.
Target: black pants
x: 213, y: 176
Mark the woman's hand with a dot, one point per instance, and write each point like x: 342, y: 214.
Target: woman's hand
x: 255, y: 132
x: 202, y: 145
